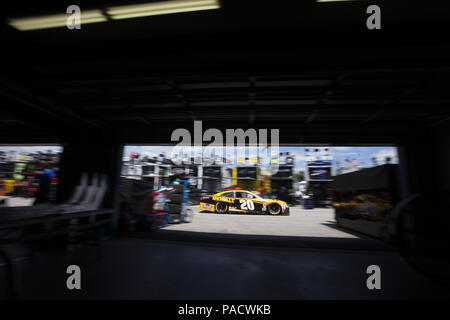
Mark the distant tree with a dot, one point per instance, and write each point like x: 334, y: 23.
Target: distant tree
x: 374, y: 161
x: 299, y: 176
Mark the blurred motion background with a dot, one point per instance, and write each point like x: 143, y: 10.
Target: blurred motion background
x: 21, y: 172
x: 85, y: 131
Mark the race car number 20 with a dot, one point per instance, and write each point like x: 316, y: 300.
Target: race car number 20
x: 247, y: 205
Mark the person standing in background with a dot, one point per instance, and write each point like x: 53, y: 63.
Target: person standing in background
x: 45, y: 179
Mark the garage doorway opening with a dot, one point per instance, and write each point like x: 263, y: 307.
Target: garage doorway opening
x: 338, y: 193
x: 28, y: 174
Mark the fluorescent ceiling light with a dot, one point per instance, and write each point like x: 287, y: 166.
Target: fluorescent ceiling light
x: 53, y: 21
x: 119, y: 12
x: 159, y: 8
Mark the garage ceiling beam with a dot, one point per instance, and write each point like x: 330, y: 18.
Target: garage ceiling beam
x: 42, y: 105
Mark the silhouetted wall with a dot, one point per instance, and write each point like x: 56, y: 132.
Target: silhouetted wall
x: 91, y: 156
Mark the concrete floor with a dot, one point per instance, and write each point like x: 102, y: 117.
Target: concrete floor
x: 301, y: 229
x: 302, y: 256
x: 300, y: 222
x: 148, y: 269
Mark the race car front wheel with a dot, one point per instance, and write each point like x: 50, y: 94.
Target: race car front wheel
x: 221, y: 207
x: 274, y: 209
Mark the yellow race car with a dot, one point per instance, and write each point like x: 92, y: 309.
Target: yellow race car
x: 242, y: 201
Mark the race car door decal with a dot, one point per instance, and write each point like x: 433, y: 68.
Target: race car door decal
x: 247, y: 204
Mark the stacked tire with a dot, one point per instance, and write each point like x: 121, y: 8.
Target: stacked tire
x: 175, y: 203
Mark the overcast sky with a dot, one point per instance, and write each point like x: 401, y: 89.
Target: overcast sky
x: 362, y: 155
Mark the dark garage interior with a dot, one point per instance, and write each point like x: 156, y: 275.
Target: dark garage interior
x: 311, y: 69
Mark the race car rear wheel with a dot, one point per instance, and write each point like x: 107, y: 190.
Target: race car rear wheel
x: 274, y: 209
x: 221, y: 207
